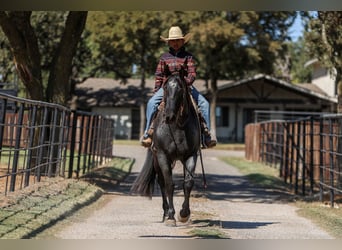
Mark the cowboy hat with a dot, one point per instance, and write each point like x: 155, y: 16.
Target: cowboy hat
x: 176, y: 33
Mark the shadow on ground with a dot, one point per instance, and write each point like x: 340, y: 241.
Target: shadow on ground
x: 222, y: 187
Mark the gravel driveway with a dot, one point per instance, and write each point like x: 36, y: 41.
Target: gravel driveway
x: 237, y: 209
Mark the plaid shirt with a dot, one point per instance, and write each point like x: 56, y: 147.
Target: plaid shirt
x: 174, y: 61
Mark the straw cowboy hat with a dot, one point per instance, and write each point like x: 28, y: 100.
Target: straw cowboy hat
x: 176, y: 33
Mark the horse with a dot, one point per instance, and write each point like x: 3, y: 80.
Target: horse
x: 176, y: 137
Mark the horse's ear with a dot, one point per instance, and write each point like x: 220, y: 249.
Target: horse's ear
x: 185, y: 64
x: 184, y: 68
x: 166, y: 70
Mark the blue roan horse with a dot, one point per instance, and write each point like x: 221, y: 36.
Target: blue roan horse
x: 176, y: 137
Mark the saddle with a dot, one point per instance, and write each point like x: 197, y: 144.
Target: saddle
x: 203, y: 125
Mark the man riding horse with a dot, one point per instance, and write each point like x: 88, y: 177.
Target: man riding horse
x: 176, y: 56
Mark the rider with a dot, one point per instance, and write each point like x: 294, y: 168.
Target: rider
x: 175, y: 57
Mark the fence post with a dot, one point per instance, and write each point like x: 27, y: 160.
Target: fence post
x: 297, y: 156
x: 321, y: 150
x: 303, y: 158
x: 292, y: 150
x: 287, y: 146
x: 61, y: 144
x: 30, y: 145
x: 72, y: 143
x: 91, y: 142
x: 80, y: 145
x: 41, y: 142
x: 331, y: 170
x: 53, y: 142
x: 2, y: 122
x: 312, y: 151
x: 86, y: 146
x: 17, y: 147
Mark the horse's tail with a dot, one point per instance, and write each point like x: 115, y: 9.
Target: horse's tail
x: 144, y: 183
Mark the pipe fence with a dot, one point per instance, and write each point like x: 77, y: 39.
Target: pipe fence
x: 44, y: 140
x: 306, y: 151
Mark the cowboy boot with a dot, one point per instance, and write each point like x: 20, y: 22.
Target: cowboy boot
x: 209, y: 140
x: 146, y: 140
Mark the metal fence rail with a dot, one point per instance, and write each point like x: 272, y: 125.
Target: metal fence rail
x: 307, y: 152
x: 43, y: 140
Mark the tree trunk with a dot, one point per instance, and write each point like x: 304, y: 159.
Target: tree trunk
x: 24, y: 45
x: 58, y: 90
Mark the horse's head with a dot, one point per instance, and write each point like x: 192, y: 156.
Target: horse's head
x: 173, y: 97
x: 174, y: 94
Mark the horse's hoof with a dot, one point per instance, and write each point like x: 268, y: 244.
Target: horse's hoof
x: 183, y: 219
x: 164, y: 218
x: 170, y: 222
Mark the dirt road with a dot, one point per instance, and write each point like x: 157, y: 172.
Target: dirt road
x: 230, y: 204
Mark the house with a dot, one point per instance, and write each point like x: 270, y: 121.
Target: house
x: 12, y: 90
x: 322, y: 77
x: 236, y: 102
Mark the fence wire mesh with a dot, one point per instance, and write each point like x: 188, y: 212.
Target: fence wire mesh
x: 43, y: 140
x: 307, y: 151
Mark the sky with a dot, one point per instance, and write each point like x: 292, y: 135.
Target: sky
x: 297, y: 29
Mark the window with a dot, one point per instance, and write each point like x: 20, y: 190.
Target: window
x: 222, y: 116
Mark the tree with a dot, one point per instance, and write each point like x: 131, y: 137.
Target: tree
x: 27, y: 54
x: 298, y: 56
x: 324, y: 39
x: 6, y: 67
x: 232, y: 45
x: 124, y: 39
x: 26, y: 49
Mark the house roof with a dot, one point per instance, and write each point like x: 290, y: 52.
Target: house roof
x: 307, y: 89
x: 106, y: 92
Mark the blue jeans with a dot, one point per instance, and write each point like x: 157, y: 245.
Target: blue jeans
x: 155, y: 100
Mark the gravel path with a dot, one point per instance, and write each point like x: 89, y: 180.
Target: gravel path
x: 230, y: 203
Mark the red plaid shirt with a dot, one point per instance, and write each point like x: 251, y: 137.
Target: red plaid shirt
x: 174, y: 61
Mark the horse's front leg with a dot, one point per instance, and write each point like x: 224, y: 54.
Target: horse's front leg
x: 166, y: 170
x: 161, y: 183
x: 189, y: 170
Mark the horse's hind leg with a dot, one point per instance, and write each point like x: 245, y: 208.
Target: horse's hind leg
x: 189, y: 169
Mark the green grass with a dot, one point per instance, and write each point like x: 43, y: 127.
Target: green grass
x: 323, y: 215
x: 257, y: 173
x: 29, y: 211
x: 221, y: 146
x: 208, y: 233
x: 206, y: 226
